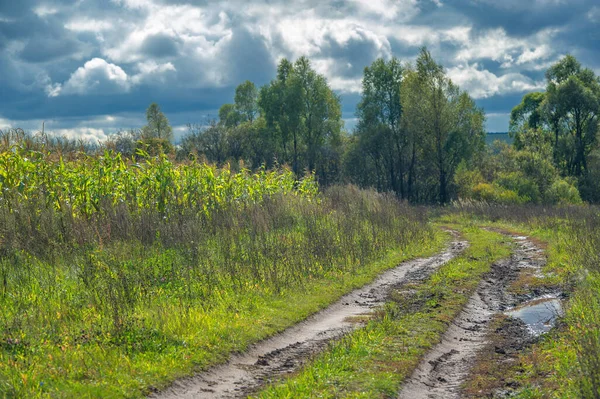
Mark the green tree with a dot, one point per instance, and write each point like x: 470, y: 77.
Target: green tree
x: 246, y: 100
x: 157, y: 125
x: 379, y: 127
x: 280, y: 105
x: 450, y: 125
x: 229, y: 115
x: 302, y: 111
x: 574, y: 92
x: 320, y: 111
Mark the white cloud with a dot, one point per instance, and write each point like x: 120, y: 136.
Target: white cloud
x: 311, y: 36
x: 152, y: 72
x: 199, y: 29
x: 397, y: 10
x: 81, y: 133
x: 540, y: 53
x: 481, y: 83
x: 96, y: 77
x: 496, y: 45
x: 343, y: 84
x: 89, y: 25
x: 134, y: 4
x: 53, y: 89
x: 5, y: 124
x: 422, y: 35
x: 44, y: 10
x: 594, y: 14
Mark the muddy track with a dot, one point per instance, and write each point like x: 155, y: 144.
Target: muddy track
x: 268, y: 360
x: 445, y: 367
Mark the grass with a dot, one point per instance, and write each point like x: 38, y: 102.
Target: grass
x: 373, y: 361
x: 106, y: 314
x: 566, y: 362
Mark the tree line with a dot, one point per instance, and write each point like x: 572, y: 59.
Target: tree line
x: 418, y: 134
x: 414, y: 128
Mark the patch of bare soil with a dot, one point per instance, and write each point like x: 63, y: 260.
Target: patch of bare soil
x: 286, y: 352
x: 445, y: 368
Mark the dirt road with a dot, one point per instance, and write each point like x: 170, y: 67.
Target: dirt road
x: 444, y: 368
x: 287, y: 351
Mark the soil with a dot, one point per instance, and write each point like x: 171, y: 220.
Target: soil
x: 445, y: 368
x: 286, y: 352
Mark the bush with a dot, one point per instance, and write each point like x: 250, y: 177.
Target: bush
x: 563, y: 192
x: 494, y: 193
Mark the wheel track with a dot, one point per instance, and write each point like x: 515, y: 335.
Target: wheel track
x: 283, y: 353
x: 445, y: 367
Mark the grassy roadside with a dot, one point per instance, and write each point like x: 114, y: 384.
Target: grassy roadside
x: 564, y: 363
x: 373, y: 361
x: 60, y: 342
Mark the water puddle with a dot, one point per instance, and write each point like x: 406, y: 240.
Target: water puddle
x: 540, y: 314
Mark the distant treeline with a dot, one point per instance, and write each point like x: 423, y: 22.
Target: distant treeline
x: 418, y: 135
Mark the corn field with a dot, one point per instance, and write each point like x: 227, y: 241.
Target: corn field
x: 148, y: 183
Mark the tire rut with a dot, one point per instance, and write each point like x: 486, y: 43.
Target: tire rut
x: 286, y: 352
x: 445, y: 367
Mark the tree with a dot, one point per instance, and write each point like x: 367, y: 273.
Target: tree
x: 280, y: 105
x: 302, y: 111
x: 575, y: 94
x: 246, y: 100
x: 209, y: 141
x: 379, y: 113
x: 449, y: 125
x: 229, y: 115
x: 567, y: 114
x: 158, y: 125
x: 124, y: 142
x: 320, y: 110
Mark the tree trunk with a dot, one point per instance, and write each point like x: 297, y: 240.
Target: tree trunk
x: 411, y: 171
x: 295, y: 167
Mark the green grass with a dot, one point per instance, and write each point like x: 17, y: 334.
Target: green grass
x: 117, y: 319
x: 373, y: 361
x: 565, y: 363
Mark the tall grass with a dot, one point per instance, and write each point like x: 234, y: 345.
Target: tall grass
x: 142, y: 286
x: 584, y: 312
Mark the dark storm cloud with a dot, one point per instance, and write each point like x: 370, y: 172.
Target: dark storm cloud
x: 43, y: 49
x: 188, y: 55
x: 249, y: 58
x: 352, y: 55
x: 519, y: 17
x: 160, y: 46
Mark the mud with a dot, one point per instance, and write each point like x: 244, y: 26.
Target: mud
x: 446, y: 367
x: 286, y: 352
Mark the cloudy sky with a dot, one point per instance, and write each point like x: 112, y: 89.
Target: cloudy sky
x: 91, y: 67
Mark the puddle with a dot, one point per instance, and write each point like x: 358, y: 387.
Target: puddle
x: 540, y: 315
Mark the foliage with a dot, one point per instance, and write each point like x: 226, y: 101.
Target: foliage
x: 158, y: 125
x: 567, y: 116
x: 517, y: 174
x: 81, y: 187
x: 415, y: 128
x: 302, y: 111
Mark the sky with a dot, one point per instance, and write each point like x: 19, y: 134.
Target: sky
x: 91, y: 67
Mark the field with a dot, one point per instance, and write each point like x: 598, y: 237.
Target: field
x: 266, y: 199
x: 108, y: 290
x: 120, y: 276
